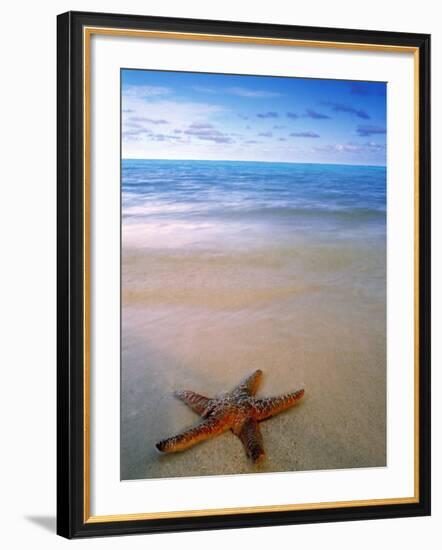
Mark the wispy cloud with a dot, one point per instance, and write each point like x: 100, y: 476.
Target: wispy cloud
x: 305, y: 134
x: 247, y: 92
x: 144, y: 91
x: 342, y: 108
x: 164, y: 137
x: 201, y: 126
x: 278, y: 127
x: 133, y: 134
x: 160, y: 112
x: 351, y: 148
x: 146, y: 134
x: 375, y: 146
x: 265, y: 134
x: 131, y: 124
x: 367, y: 130
x: 269, y: 114
x: 310, y: 113
x: 207, y: 132
x: 237, y: 91
x: 205, y: 89
x: 148, y: 120
x: 292, y: 115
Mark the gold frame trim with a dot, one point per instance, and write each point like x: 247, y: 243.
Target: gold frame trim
x: 87, y: 33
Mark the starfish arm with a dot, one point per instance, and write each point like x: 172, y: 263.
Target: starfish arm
x: 195, y: 401
x: 249, y: 385
x: 206, y: 429
x: 264, y: 408
x: 251, y: 438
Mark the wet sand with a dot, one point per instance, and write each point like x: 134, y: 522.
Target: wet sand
x: 201, y: 318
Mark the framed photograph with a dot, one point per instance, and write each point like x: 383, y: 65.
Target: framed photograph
x: 243, y: 274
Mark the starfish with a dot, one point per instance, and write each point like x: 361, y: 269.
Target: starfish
x: 238, y: 410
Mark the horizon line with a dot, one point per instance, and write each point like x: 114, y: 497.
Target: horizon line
x: 256, y: 161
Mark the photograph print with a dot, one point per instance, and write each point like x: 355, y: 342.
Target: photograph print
x: 253, y: 274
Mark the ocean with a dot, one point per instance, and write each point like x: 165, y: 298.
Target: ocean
x: 254, y: 196
x: 232, y: 266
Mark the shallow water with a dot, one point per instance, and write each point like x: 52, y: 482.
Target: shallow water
x: 228, y: 267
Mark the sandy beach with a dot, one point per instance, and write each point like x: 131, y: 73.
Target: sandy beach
x: 208, y: 303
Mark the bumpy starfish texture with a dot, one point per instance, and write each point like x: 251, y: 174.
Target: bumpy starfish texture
x: 238, y: 410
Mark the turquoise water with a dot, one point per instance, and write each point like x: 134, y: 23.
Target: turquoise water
x: 253, y: 188
x: 341, y: 199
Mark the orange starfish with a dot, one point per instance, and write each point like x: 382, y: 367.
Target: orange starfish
x: 237, y: 410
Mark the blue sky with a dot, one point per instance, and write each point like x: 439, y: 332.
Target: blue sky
x: 179, y: 115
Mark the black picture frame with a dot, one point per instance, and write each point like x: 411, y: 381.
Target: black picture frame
x: 72, y: 521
